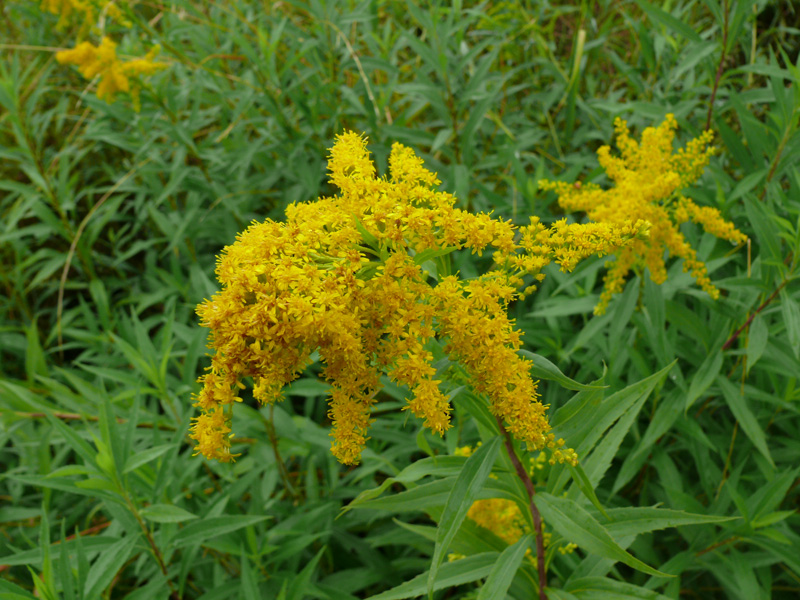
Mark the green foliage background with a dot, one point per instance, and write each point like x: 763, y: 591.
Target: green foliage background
x: 110, y: 221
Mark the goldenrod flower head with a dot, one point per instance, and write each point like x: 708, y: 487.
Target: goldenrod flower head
x: 502, y: 517
x: 84, y: 12
x: 115, y: 76
x: 344, y: 276
x: 648, y: 178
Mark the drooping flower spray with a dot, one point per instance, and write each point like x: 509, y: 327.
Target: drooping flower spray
x: 353, y: 277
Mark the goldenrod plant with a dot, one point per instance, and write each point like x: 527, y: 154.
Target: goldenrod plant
x: 115, y: 76
x: 422, y: 295
x: 363, y: 278
x: 648, y: 180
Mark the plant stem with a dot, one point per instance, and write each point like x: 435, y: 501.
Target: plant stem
x: 152, y: 543
x: 537, y: 518
x: 269, y: 425
x: 764, y: 304
x: 721, y: 63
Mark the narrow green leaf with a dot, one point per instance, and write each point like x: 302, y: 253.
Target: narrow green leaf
x: 791, y: 319
x: 369, y: 239
x: 600, y: 587
x: 166, y: 513
x: 451, y: 574
x: 772, y: 518
x: 298, y: 590
x: 503, y: 571
x: 667, y: 20
x: 107, y: 565
x: 585, y: 423
x: 636, y: 520
x: 704, y: 377
x: 465, y: 491
x: 145, y: 456
x: 432, y: 253
x: 9, y: 591
x: 249, y: 583
x: 747, y: 420
x: 757, y: 338
x: 576, y: 525
x: 598, y: 462
x: 208, y: 528
x: 35, y: 361
x: 82, y: 447
x: 586, y: 487
x: 544, y: 369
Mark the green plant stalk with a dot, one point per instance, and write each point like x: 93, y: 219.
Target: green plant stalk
x: 151, y: 542
x: 721, y: 66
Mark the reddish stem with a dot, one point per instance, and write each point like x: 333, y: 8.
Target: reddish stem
x: 764, y: 304
x: 537, y: 518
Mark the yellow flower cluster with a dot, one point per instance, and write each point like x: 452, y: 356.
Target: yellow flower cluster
x: 86, y: 13
x: 354, y: 277
x: 115, y: 76
x: 648, y: 178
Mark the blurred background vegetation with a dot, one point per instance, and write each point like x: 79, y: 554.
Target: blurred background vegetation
x: 110, y: 221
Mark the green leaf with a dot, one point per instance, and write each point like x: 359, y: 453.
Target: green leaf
x: 747, y: 420
x: 166, y: 513
x: 757, y: 338
x: 772, y: 518
x: 436, y: 493
x: 600, y: 588
x: 249, y: 583
x: 791, y: 319
x: 208, y: 528
x: 766, y: 232
x: 586, y: 487
x: 432, y: 253
x: 145, y: 456
x: 597, y: 463
x: 704, y: 377
x: 576, y: 525
x: 451, y: 574
x: 9, y: 591
x: 107, y: 566
x: 503, y: 571
x: 464, y: 492
x: 35, y: 360
x: 544, y: 369
x: 368, y: 238
x: 583, y: 421
x: 34, y: 557
x: 84, y: 450
x: 633, y: 521
x: 300, y: 583
x: 667, y: 20
x: 441, y: 466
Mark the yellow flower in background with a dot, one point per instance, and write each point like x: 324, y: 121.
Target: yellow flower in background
x: 503, y: 517
x: 648, y: 178
x: 84, y: 13
x: 355, y: 278
x: 114, y: 75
